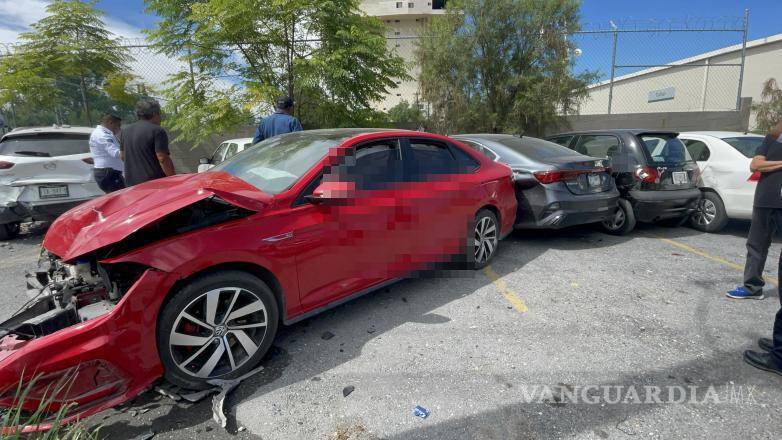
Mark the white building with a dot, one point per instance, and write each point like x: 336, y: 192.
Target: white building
x: 697, y: 83
x: 405, y: 20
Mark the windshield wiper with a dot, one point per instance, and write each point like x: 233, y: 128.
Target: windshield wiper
x: 33, y: 153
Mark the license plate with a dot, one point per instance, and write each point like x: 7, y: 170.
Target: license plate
x: 680, y: 178
x: 595, y: 180
x: 53, y: 191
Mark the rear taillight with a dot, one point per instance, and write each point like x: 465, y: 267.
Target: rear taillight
x: 647, y: 174
x: 754, y: 177
x: 88, y: 160
x: 562, y: 175
x: 5, y: 165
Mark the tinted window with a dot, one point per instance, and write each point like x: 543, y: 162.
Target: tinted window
x: 534, y: 148
x: 697, y: 149
x: 275, y: 164
x: 466, y: 163
x: 481, y: 149
x: 665, y: 149
x: 562, y: 140
x: 430, y: 158
x: 218, y: 155
x: 598, y: 145
x: 376, y: 165
x: 746, y: 145
x: 46, y: 145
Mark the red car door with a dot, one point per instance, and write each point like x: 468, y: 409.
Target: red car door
x: 353, y: 241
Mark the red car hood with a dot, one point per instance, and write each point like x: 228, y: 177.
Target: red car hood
x: 113, y: 217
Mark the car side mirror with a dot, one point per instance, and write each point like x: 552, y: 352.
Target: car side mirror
x: 332, y: 193
x: 204, y: 161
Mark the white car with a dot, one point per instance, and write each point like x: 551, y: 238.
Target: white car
x: 225, y: 151
x: 727, y: 183
x: 44, y: 172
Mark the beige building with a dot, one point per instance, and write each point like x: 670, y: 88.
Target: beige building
x: 698, y: 83
x: 405, y: 19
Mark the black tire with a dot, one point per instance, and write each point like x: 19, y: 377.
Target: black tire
x: 624, y: 220
x: 241, y: 290
x: 484, y: 242
x: 710, y: 215
x: 9, y: 231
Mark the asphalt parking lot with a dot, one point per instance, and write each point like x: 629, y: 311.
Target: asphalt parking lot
x: 567, y: 309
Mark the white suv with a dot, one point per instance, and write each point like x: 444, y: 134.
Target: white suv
x: 44, y: 171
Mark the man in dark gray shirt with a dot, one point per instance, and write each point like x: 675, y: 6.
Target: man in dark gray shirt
x: 144, y: 145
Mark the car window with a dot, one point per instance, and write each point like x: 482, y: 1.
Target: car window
x: 561, y: 140
x: 746, y: 145
x: 247, y: 145
x: 534, y: 148
x: 697, y: 149
x: 275, y: 164
x: 46, y: 145
x: 376, y: 164
x: 481, y: 149
x: 430, y: 158
x: 218, y: 155
x: 465, y: 162
x: 598, y: 145
x: 231, y: 150
x: 665, y: 149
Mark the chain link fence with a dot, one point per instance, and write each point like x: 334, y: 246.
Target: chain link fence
x: 641, y: 66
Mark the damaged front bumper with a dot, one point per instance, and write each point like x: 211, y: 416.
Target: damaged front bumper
x: 103, y: 348
x: 13, y: 212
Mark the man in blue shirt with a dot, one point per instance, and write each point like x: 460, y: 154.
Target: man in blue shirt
x: 106, y: 156
x: 279, y: 122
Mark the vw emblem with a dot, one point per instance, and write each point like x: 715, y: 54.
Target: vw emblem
x: 50, y: 165
x: 219, y: 330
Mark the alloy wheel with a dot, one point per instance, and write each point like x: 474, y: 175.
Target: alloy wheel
x: 617, y: 221
x: 486, y: 239
x: 218, y: 332
x: 706, y: 212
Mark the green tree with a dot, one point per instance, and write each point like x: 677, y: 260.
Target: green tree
x: 63, y: 63
x: 239, y: 55
x: 406, y: 115
x: 501, y: 65
x: 769, y: 110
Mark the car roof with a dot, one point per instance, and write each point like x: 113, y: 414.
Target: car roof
x: 721, y: 134
x: 54, y: 129
x: 237, y: 141
x: 632, y: 131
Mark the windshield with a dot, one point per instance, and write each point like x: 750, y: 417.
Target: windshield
x: 665, y: 149
x: 746, y: 145
x: 45, y: 145
x: 275, y: 164
x: 534, y: 148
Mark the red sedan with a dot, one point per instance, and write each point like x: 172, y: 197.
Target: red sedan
x: 188, y: 277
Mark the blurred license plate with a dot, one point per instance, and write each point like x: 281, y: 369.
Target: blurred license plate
x: 595, y: 180
x: 680, y: 177
x: 53, y: 191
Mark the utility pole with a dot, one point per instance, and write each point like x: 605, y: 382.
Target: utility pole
x: 613, y: 68
x: 743, y: 58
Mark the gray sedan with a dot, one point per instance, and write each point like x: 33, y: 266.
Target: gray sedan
x: 555, y: 186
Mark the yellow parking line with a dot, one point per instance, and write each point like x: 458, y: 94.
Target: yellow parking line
x: 502, y: 286
x: 708, y: 256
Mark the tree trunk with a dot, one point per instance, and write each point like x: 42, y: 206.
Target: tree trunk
x: 84, y: 98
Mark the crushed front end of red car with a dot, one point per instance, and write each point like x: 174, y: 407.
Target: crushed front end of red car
x: 90, y: 323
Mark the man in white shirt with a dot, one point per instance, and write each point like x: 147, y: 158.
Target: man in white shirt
x: 106, y: 155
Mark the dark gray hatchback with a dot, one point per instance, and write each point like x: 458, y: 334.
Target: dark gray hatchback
x: 653, y: 170
x: 555, y: 187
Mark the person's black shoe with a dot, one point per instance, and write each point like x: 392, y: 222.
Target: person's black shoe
x: 766, y: 344
x: 762, y: 361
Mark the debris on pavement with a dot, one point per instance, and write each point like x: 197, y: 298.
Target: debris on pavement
x: 145, y: 436
x: 327, y: 335
x: 347, y: 390
x: 420, y: 411
x: 225, y: 387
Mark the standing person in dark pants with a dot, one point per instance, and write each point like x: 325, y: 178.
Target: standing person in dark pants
x: 145, y: 146
x: 106, y: 155
x: 766, y: 220
x: 279, y: 122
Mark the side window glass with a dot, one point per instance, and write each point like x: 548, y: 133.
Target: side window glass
x: 217, y: 157
x: 376, y: 165
x: 603, y: 146
x: 429, y: 158
x: 466, y: 163
x: 698, y: 150
x: 562, y: 140
x: 231, y: 151
x: 481, y: 149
